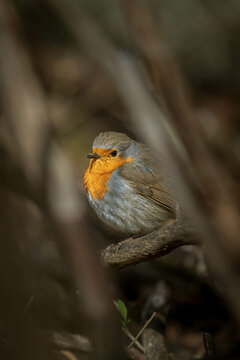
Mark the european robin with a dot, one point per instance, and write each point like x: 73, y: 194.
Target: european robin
x: 127, y: 184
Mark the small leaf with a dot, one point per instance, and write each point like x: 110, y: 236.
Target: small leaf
x: 121, y: 307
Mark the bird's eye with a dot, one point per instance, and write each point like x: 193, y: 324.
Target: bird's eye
x: 114, y: 153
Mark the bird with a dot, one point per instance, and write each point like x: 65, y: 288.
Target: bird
x: 127, y: 184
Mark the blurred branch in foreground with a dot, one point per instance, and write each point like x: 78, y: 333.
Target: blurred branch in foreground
x: 46, y: 170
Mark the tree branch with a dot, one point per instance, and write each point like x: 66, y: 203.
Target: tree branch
x: 153, y: 245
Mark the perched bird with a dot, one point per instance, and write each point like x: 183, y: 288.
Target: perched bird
x: 127, y: 184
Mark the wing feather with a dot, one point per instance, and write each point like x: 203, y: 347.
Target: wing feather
x: 152, y: 184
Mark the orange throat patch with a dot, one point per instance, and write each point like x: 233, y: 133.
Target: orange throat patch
x: 99, y: 171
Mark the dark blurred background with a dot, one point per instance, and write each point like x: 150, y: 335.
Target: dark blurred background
x: 80, y: 100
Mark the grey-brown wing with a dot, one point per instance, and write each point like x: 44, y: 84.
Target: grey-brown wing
x: 153, y: 185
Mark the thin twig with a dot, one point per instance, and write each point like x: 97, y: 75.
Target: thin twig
x: 140, y: 332
x: 137, y: 343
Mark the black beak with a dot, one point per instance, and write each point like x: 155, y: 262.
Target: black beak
x: 93, y: 156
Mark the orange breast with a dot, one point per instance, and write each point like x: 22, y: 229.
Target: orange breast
x: 99, y: 171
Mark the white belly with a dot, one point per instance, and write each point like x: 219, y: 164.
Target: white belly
x: 126, y: 211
